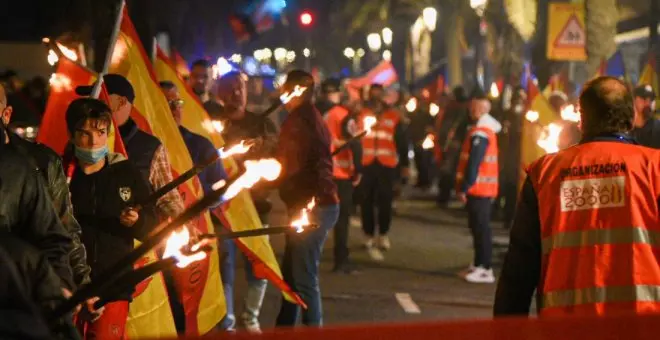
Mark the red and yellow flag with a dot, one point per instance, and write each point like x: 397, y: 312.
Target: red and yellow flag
x: 180, y: 65
x: 649, y: 75
x: 238, y: 214
x: 199, y: 284
x: 150, y: 297
x: 530, y: 151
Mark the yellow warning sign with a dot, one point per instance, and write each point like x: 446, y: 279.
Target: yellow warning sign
x: 567, y: 37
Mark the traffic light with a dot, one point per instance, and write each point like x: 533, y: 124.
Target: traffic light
x: 306, y: 18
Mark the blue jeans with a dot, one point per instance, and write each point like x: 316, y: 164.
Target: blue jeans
x: 300, y: 268
x: 256, y: 288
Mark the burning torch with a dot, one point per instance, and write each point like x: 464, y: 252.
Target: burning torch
x: 177, y: 252
x: 284, y: 99
x: 368, y: 123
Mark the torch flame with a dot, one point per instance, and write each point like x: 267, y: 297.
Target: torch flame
x: 69, y: 53
x: 52, y: 57
x: 176, y: 242
x: 59, y: 82
x: 570, y: 114
x: 297, y: 92
x: 434, y: 109
x: 237, y: 149
x: 411, y: 105
x: 303, y: 220
x: 369, y: 123
x: 428, y: 142
x: 267, y: 169
x: 549, y: 140
x: 213, y: 126
x: 532, y: 116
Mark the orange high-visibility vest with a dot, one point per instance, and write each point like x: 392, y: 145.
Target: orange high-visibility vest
x: 600, y: 229
x: 342, y: 163
x: 379, y: 144
x: 487, y: 183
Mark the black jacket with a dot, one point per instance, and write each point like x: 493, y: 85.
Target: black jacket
x: 27, y: 212
x: 41, y: 284
x: 98, y: 200
x: 49, y: 165
x: 649, y: 134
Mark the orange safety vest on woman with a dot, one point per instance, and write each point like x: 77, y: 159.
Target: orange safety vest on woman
x: 487, y: 182
x: 379, y: 144
x: 342, y: 163
x: 600, y: 229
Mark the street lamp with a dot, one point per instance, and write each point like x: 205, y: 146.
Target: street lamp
x: 360, y: 52
x: 349, y: 53
x: 280, y: 53
x: 236, y: 58
x: 387, y: 36
x: 290, y: 56
x: 374, y: 42
x: 307, y: 52
x: 430, y: 18
x: 267, y: 53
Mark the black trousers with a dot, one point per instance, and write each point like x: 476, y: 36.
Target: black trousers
x: 479, y: 210
x: 423, y: 166
x: 345, y: 191
x: 377, y: 190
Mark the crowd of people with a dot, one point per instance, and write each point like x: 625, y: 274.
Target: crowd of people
x: 72, y: 218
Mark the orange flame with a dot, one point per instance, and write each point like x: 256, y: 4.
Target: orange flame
x: 303, y: 220
x: 176, y: 242
x: 213, y: 126
x: 267, y: 169
x: 411, y: 105
x: 549, y: 140
x: 59, y: 82
x: 67, y: 52
x: 428, y: 142
x: 237, y: 149
x: 570, y: 114
x: 297, y: 92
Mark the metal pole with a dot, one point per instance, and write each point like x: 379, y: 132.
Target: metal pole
x: 111, y: 48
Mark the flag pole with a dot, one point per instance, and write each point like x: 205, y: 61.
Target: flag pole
x: 111, y: 48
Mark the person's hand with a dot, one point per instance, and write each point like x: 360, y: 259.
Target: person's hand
x: 88, y: 313
x: 67, y: 295
x: 357, y: 179
x: 463, y: 197
x: 128, y: 217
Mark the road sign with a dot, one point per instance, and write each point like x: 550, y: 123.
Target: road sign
x: 567, y: 36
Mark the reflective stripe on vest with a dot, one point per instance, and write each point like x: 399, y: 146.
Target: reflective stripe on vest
x: 585, y: 238
x: 591, y: 295
x: 343, y: 162
x: 380, y: 135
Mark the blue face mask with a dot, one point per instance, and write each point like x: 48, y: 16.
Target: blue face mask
x: 91, y: 156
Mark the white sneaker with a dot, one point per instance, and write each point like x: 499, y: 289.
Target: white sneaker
x: 384, y: 243
x: 480, y: 275
x: 369, y: 242
x: 463, y: 273
x: 375, y: 254
x: 253, y: 328
x: 355, y: 222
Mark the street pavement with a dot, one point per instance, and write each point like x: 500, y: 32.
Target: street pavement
x: 416, y: 281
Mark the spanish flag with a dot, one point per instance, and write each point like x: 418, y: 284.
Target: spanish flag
x: 238, y: 214
x: 650, y: 75
x: 150, y: 297
x: 530, y: 151
x: 199, y: 285
x: 181, y: 66
x: 557, y: 82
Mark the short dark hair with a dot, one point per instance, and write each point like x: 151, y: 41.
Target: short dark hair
x: 166, y: 85
x: 606, y: 106
x: 202, y: 63
x: 83, y: 109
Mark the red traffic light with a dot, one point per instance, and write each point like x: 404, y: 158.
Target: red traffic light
x: 306, y: 18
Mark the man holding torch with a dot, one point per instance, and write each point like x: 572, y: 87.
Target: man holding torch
x: 346, y: 164
x: 240, y: 125
x: 103, y: 188
x: 306, y: 180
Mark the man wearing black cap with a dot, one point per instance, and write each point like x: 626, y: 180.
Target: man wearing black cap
x: 346, y: 165
x: 477, y: 184
x: 304, y: 152
x: 647, y: 128
x: 145, y: 151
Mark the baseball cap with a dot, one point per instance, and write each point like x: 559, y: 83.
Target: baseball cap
x: 115, y: 84
x: 644, y: 91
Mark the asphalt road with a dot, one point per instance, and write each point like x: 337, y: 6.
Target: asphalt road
x: 416, y: 281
